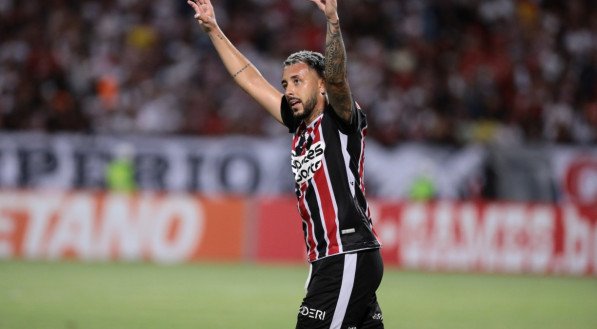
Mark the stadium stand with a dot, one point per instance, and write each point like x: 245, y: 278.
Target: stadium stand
x: 448, y: 72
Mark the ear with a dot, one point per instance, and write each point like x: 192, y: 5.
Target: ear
x: 322, y: 86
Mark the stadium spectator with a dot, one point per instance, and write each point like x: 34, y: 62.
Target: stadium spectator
x: 447, y: 71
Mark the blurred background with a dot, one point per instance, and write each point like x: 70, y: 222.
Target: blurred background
x: 467, y: 101
x: 444, y: 72
x: 124, y: 140
x: 504, y: 90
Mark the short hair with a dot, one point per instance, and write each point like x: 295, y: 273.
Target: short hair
x: 313, y: 59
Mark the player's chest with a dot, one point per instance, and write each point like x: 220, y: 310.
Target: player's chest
x: 308, y: 152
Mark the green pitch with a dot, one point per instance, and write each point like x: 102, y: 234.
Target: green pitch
x: 232, y: 296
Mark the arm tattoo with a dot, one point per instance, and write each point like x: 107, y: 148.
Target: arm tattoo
x: 241, y: 70
x: 335, y: 72
x: 335, y: 55
x: 219, y: 36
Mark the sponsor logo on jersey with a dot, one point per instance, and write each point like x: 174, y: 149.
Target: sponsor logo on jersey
x: 312, y: 313
x: 304, y: 166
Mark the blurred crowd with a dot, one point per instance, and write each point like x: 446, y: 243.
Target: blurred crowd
x: 440, y: 71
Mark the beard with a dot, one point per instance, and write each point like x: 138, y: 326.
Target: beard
x: 308, y: 108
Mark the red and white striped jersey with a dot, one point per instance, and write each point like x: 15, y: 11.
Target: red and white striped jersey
x: 327, y: 159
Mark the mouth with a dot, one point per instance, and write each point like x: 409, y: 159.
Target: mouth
x: 293, y: 102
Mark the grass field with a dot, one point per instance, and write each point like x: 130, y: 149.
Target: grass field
x: 231, y: 296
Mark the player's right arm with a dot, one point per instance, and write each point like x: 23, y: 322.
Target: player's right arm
x: 240, y: 68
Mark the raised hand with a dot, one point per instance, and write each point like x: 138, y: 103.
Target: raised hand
x: 204, y: 14
x: 336, y: 81
x: 329, y: 7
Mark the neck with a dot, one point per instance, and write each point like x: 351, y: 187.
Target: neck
x: 316, y: 111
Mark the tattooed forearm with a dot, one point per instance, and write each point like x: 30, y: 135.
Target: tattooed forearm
x: 335, y: 55
x: 338, y: 91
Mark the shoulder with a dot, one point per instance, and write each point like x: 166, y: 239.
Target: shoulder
x: 358, y: 119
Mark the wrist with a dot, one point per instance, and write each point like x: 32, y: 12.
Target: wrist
x: 214, y: 33
x: 333, y: 25
x: 334, y: 20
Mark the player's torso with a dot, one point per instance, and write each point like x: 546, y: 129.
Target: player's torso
x: 327, y: 167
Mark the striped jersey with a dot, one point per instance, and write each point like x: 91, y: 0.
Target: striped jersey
x: 327, y: 160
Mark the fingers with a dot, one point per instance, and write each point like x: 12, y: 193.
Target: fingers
x: 200, y: 6
x: 203, y: 13
x: 197, y: 8
x: 194, y: 5
x: 204, y: 2
x: 319, y: 3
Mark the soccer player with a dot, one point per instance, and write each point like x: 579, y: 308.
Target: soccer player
x: 327, y: 162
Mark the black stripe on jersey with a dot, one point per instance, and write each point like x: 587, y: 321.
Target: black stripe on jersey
x: 354, y: 146
x: 338, y: 177
x: 322, y: 245
x: 344, y: 201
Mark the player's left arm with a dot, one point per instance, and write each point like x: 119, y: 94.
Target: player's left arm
x: 336, y: 79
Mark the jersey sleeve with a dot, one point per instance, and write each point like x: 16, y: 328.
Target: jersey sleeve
x: 287, y: 117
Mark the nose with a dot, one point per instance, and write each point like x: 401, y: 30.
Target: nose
x: 289, y: 91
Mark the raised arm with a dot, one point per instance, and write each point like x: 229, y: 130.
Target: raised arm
x: 240, y: 68
x: 336, y: 80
